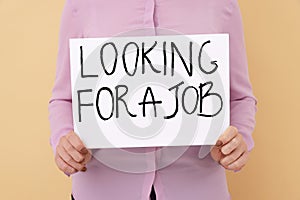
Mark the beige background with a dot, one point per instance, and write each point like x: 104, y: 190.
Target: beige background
x: 28, y: 47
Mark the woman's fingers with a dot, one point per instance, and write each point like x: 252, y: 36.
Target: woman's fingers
x: 63, y: 166
x: 81, y: 153
x: 239, y: 163
x: 76, y: 142
x: 232, y: 144
x: 66, y: 156
x: 225, y: 138
x: 230, y: 150
x: 87, y: 158
x: 229, y: 133
x: 215, y: 151
x: 233, y: 156
x: 74, y: 153
x: 71, y: 152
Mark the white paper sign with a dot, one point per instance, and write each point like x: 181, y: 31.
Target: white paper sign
x: 150, y: 91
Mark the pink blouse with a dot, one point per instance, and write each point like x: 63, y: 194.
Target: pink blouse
x: 189, y: 177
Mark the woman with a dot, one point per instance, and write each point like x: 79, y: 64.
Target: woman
x: 188, y: 177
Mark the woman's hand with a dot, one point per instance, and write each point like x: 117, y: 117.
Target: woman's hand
x: 71, y: 154
x: 230, y: 150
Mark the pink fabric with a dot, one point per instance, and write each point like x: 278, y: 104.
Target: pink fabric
x: 189, y: 177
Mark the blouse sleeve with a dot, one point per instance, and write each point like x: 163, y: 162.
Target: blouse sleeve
x: 60, y: 104
x: 242, y: 101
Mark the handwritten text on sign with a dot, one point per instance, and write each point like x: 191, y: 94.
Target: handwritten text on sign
x: 150, y: 91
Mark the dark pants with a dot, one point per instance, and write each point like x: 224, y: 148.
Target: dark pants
x: 152, y: 194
